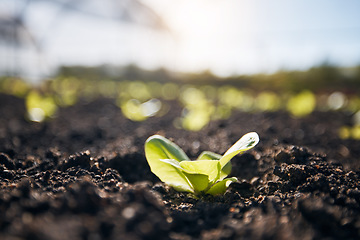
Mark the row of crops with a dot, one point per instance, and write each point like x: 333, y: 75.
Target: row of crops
x: 139, y: 100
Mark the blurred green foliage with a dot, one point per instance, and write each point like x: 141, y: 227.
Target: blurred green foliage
x: 203, y: 97
x: 324, y: 77
x: 301, y: 104
x: 40, y: 106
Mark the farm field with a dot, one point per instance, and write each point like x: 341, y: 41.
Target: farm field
x: 80, y: 171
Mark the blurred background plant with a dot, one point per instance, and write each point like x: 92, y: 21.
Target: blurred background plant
x: 201, y: 102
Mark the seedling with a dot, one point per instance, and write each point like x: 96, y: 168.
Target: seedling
x: 206, y: 175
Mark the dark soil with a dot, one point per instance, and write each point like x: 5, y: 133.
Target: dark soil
x: 83, y: 175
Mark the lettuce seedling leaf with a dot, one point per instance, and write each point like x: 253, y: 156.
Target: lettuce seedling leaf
x: 198, y: 181
x: 225, y: 171
x: 245, y: 143
x: 210, y: 168
x: 158, y: 148
x: 169, y: 150
x: 173, y: 163
x: 221, y: 186
x: 207, y: 155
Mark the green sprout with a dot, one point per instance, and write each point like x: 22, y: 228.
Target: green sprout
x: 206, y: 175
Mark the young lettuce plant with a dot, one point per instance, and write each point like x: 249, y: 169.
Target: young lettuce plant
x: 206, y: 175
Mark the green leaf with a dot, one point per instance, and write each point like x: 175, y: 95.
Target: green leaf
x: 158, y: 148
x: 211, y: 168
x: 221, y: 186
x: 225, y: 171
x: 165, y: 148
x: 245, y: 143
x: 198, y: 181
x: 207, y: 155
x: 173, y: 163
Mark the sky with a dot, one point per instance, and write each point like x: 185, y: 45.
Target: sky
x: 226, y: 37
